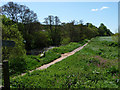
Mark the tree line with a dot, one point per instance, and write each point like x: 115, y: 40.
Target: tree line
x: 21, y: 25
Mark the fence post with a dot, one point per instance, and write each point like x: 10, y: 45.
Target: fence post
x: 6, y: 75
x: 0, y: 76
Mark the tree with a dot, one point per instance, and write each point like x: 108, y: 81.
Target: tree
x: 25, y: 18
x: 15, y: 54
x: 10, y: 32
x: 57, y: 36
x: 40, y: 40
x: 81, y: 22
x: 72, y: 30
x: 19, y: 13
x: 93, y: 29
x: 103, y: 31
x: 53, y: 23
x: 57, y: 21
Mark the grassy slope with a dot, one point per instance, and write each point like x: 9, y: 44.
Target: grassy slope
x: 31, y: 61
x: 95, y: 66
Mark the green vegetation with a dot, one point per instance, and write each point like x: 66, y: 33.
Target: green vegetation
x: 10, y: 32
x: 53, y: 32
x: 115, y: 37
x: 95, y: 66
x: 30, y: 62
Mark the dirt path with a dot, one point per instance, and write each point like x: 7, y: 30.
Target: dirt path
x: 63, y: 56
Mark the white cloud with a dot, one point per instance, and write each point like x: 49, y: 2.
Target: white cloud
x: 94, y: 9
x: 103, y: 8
x: 99, y: 9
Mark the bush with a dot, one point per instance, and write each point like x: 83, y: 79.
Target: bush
x: 17, y: 65
x: 65, y: 41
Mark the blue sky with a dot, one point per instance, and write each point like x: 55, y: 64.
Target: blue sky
x: 92, y: 12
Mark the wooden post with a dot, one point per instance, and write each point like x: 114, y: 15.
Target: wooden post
x: 6, y: 43
x: 6, y: 75
x: 0, y: 75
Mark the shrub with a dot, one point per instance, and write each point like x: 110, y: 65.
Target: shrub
x: 65, y: 41
x: 17, y: 65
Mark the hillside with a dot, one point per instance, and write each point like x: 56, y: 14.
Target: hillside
x: 95, y: 66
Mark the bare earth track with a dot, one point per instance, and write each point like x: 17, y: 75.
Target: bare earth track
x: 63, y: 56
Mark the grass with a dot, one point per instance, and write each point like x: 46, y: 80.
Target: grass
x: 30, y: 62
x: 106, y: 38
x: 95, y: 66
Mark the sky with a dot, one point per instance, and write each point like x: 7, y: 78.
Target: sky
x: 89, y: 12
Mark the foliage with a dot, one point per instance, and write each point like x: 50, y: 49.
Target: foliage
x: 57, y: 33
x: 10, y: 32
x: 40, y: 40
x: 20, y: 24
x: 103, y: 31
x: 84, y: 69
x: 67, y: 48
x: 65, y: 41
x: 16, y: 54
x: 80, y: 32
x: 17, y: 64
x: 54, y: 32
x: 31, y: 62
x: 25, y: 18
x: 18, y: 13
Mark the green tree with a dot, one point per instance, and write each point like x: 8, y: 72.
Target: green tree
x: 25, y: 18
x: 10, y: 32
x: 93, y: 29
x: 103, y: 31
x: 54, y: 30
x: 19, y: 13
x: 16, y: 54
x: 40, y: 40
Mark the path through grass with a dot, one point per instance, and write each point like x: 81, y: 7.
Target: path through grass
x: 95, y: 66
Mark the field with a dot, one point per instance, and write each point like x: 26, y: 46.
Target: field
x: 95, y: 66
